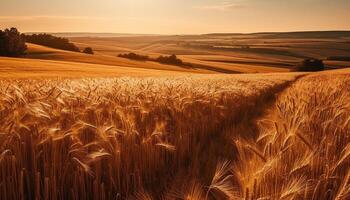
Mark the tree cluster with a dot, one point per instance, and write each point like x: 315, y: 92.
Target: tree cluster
x: 134, y: 56
x: 310, y: 65
x: 171, y: 60
x: 88, y: 50
x: 12, y: 43
x: 52, y: 41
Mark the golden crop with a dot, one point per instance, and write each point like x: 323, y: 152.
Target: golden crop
x: 302, y: 150
x: 184, y: 137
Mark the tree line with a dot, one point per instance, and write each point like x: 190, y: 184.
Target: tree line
x: 52, y: 41
x: 13, y: 43
x: 170, y: 60
x: 134, y: 56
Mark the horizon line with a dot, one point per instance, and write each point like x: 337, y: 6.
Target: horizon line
x: 174, y: 34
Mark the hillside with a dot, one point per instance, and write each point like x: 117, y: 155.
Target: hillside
x: 267, y: 52
x: 46, y: 53
x: 35, y: 68
x: 211, y: 53
x: 155, y: 46
x: 258, y: 52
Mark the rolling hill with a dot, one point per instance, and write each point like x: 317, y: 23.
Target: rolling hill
x: 245, y: 53
x: 207, y: 54
x: 46, y: 53
x: 36, y: 68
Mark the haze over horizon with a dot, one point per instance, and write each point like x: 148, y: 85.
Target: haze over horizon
x: 175, y: 17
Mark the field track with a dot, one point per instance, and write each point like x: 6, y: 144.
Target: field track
x: 301, y: 132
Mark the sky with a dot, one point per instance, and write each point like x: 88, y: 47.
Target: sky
x: 174, y: 16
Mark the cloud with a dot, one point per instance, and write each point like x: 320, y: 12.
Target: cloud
x: 223, y: 6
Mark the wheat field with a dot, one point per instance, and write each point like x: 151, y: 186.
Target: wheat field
x: 267, y: 136
x: 302, y: 150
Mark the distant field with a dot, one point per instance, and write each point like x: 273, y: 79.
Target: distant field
x: 273, y: 52
x: 207, y: 54
x: 45, y: 53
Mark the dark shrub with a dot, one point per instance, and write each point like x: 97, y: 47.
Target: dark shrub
x: 52, y: 41
x: 172, y: 60
x: 134, y: 56
x: 88, y: 50
x: 12, y: 43
x: 310, y: 65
